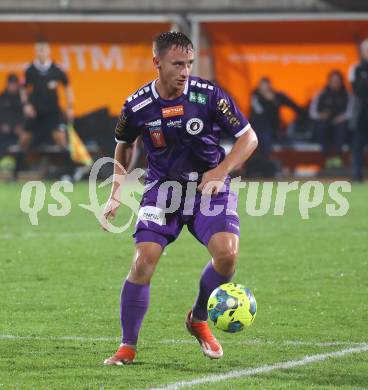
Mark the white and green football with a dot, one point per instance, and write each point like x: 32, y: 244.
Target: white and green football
x: 232, y: 307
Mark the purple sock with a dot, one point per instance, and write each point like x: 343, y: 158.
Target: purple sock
x: 210, y: 279
x: 133, y: 306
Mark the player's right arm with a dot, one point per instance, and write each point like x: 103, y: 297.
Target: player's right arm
x: 69, y: 94
x: 287, y: 101
x: 28, y: 109
x: 359, y: 82
x: 125, y: 135
x: 122, y: 159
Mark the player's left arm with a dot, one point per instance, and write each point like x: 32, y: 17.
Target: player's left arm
x: 230, y: 119
x: 28, y: 109
x: 245, y: 145
x: 69, y: 96
x: 288, y: 102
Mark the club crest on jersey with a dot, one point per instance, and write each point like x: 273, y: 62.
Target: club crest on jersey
x: 168, y: 112
x: 52, y: 84
x: 194, y: 126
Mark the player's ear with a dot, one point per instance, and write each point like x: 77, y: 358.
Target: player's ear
x: 156, y: 62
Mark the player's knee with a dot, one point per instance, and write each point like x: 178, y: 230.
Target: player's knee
x: 60, y: 139
x: 25, y: 141
x: 146, y: 260
x: 145, y: 264
x: 226, y: 257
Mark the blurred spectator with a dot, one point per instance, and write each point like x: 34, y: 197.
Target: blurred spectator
x: 331, y: 110
x: 359, y: 79
x: 265, y: 114
x: 44, y: 118
x: 11, y: 114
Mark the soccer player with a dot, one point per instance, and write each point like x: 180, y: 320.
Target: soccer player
x: 358, y: 76
x: 41, y: 104
x: 11, y: 114
x: 331, y: 109
x: 266, y: 104
x: 180, y: 119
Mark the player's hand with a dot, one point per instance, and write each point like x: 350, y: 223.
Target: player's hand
x: 212, y: 181
x: 29, y: 110
x: 338, y: 119
x: 111, y: 207
x: 269, y: 95
x: 5, y: 128
x: 324, y: 115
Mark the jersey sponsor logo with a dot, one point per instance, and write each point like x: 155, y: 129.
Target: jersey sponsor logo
x: 157, y: 137
x: 152, y: 214
x: 199, y: 85
x: 173, y: 111
x: 231, y: 212
x: 233, y: 225
x: 154, y: 123
x: 200, y: 98
x: 120, y: 126
x: 224, y: 107
x: 177, y: 123
x: 52, y: 84
x: 141, y: 92
x: 194, y: 126
x: 193, y: 97
x: 142, y: 104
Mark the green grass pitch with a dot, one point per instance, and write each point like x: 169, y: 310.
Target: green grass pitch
x: 59, y: 301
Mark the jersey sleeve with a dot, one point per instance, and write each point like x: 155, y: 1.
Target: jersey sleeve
x: 227, y: 115
x: 28, y: 80
x: 63, y: 77
x: 359, y: 83
x: 125, y: 131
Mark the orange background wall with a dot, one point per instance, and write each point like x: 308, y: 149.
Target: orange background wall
x: 102, y: 75
x: 108, y: 61
x: 297, y: 56
x: 105, y: 62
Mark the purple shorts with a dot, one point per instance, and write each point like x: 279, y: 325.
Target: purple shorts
x: 164, y: 212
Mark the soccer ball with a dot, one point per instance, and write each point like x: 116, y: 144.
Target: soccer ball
x: 231, y: 307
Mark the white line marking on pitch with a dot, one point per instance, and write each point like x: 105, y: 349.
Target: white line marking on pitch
x: 57, y: 338
x: 183, y: 341
x: 263, y: 369
x: 265, y: 342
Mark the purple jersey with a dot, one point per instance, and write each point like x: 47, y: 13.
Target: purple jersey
x: 180, y: 136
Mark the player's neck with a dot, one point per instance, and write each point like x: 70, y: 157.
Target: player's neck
x: 44, y: 64
x: 166, y: 91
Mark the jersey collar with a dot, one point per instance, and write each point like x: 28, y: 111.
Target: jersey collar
x: 156, y: 95
x: 42, y: 67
